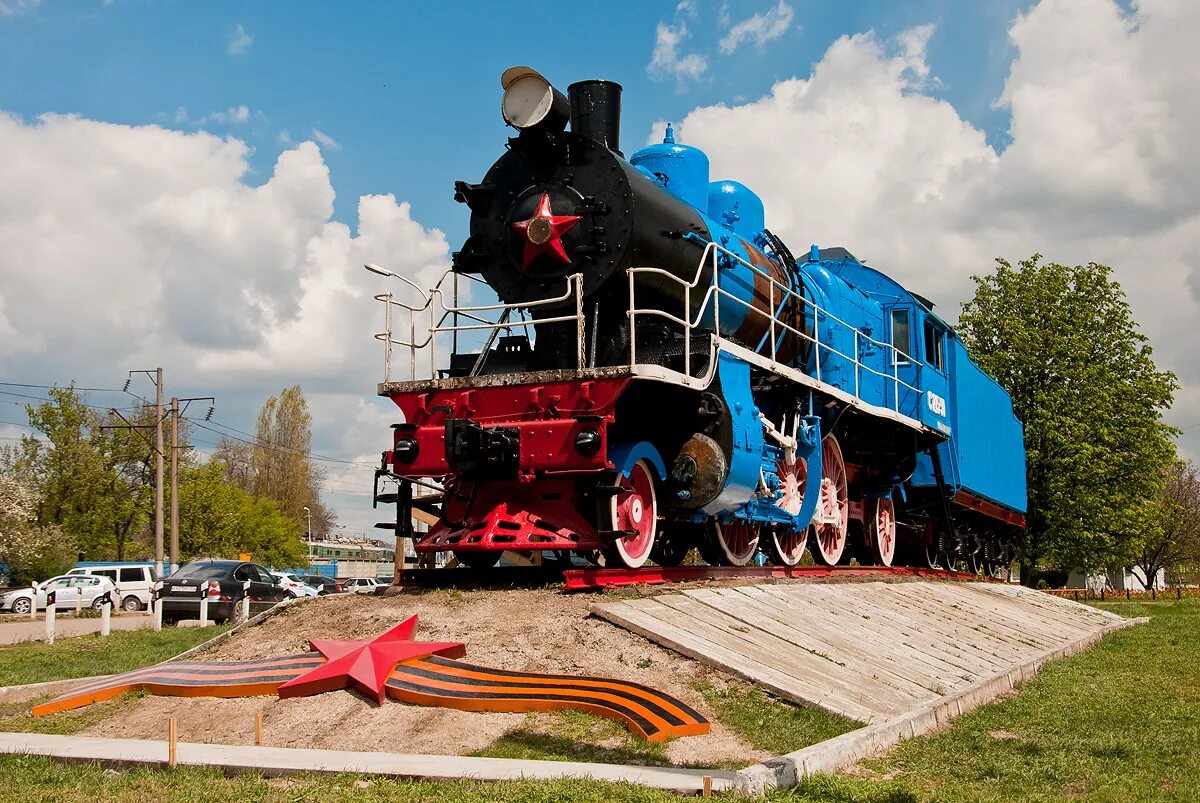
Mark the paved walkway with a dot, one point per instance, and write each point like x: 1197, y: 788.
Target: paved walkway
x: 13, y: 629
x: 285, y: 760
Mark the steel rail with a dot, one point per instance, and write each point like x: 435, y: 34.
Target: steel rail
x: 593, y: 579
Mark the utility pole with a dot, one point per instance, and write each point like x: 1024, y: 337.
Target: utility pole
x: 158, y: 474
x: 159, y: 457
x: 174, y: 484
x: 176, y: 413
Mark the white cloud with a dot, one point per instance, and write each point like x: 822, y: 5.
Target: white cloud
x: 1102, y: 164
x: 131, y: 246
x: 667, y: 62
x: 10, y: 8
x: 239, y: 41
x: 759, y: 28
x: 234, y: 115
x: 325, y: 140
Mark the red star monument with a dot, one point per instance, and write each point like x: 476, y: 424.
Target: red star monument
x: 366, y: 665
x: 543, y: 233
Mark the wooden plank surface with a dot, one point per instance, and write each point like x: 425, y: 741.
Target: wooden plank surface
x: 871, y: 651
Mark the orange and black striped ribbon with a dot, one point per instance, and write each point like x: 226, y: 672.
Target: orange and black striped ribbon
x: 434, y: 681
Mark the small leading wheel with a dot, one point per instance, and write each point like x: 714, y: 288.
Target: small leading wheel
x: 634, y: 512
x: 832, y: 521
x: 881, y: 532
x: 478, y: 560
x: 786, y: 547
x: 735, y: 543
x: 671, y: 547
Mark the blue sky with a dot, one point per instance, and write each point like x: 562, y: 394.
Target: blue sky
x: 409, y: 91
x: 209, y: 205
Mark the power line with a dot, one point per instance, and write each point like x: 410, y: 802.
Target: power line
x: 63, y: 387
x: 257, y: 442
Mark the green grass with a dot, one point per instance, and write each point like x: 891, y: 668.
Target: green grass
x: 773, y: 725
x: 33, y: 779
x: 83, y: 656
x: 1119, y: 722
x: 576, y: 736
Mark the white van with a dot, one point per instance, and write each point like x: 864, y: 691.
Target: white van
x: 134, y: 581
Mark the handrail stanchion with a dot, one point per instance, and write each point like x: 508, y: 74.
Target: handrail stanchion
x: 896, y: 380
x: 716, y: 296
x: 771, y: 317
x: 856, y: 365
x: 579, y: 327
x: 387, y: 343
x: 632, y: 323
x: 687, y: 330
x: 412, y: 346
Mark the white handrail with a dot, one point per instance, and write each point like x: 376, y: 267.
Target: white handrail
x: 716, y: 294
x: 434, y: 301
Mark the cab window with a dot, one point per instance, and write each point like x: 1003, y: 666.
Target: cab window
x: 935, y: 345
x: 901, y: 337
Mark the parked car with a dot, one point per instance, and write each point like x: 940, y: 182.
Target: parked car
x: 223, y: 582
x: 134, y: 581
x: 295, y: 587
x: 362, y: 585
x: 66, y: 588
x: 324, y: 585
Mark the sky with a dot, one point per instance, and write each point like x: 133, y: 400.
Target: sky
x: 196, y: 185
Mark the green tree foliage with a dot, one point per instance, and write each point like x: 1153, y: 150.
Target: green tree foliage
x: 93, y: 474
x: 1063, y: 342
x: 218, y: 519
x: 32, y: 552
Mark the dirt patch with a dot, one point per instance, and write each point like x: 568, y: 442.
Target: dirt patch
x: 531, y: 630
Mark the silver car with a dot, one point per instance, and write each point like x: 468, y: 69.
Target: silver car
x: 67, y: 589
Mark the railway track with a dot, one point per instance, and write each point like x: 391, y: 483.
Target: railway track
x: 574, y: 579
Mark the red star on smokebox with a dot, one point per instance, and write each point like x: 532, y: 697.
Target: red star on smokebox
x: 543, y: 233
x: 366, y: 665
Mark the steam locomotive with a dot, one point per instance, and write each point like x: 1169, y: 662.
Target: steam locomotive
x: 658, y: 372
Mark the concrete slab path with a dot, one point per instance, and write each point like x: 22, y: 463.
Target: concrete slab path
x: 273, y: 761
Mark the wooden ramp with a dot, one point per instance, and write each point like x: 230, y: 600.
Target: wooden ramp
x: 871, y: 651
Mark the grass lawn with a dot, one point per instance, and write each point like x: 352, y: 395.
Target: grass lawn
x: 83, y: 656
x: 1119, y: 722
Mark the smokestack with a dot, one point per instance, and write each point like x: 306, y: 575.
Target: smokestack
x: 596, y: 111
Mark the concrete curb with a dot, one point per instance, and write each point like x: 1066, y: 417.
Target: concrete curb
x: 276, y: 761
x: 844, y: 750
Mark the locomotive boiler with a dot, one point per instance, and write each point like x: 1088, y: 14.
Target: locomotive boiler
x: 659, y: 373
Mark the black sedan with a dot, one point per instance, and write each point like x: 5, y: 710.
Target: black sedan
x: 224, y: 583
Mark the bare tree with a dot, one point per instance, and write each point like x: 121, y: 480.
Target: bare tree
x: 281, y: 456
x: 1173, y: 540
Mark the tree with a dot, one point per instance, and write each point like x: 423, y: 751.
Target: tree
x: 32, y: 552
x: 1172, y: 541
x: 218, y: 519
x: 283, y: 469
x: 92, y: 473
x: 1062, y: 341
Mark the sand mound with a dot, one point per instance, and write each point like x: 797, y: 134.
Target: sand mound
x: 537, y: 630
